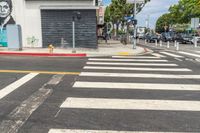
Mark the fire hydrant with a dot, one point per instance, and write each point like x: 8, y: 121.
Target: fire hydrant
x: 51, y: 47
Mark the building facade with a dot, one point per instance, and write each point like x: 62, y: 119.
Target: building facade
x: 47, y: 22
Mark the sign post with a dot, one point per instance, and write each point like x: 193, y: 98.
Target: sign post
x: 135, y: 2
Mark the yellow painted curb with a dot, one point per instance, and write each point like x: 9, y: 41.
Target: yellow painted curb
x: 123, y: 53
x: 40, y: 72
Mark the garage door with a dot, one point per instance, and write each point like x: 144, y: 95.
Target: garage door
x: 57, y: 24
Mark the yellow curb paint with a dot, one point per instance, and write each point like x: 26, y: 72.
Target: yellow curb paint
x: 123, y: 53
x: 40, y: 72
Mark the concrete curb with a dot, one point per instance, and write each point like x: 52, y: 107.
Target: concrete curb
x: 44, y: 54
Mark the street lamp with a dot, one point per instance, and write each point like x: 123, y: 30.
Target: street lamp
x: 76, y: 15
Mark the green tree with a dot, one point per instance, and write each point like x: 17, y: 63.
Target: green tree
x: 118, y: 9
x: 180, y: 13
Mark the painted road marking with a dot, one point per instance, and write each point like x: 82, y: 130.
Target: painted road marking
x: 10, y: 88
x: 20, y: 114
x: 197, y: 51
x: 139, y: 60
x: 158, y: 55
x: 139, y: 68
x: 173, y: 55
x: 130, y: 104
x: 101, y: 131
x: 138, y: 75
x: 186, y: 53
x: 146, y: 86
x: 40, y: 72
x: 136, y: 57
x: 130, y: 64
x: 178, y: 59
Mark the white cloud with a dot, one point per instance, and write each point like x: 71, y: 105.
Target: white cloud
x: 154, y: 9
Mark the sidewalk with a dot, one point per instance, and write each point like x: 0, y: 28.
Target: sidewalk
x: 111, y: 48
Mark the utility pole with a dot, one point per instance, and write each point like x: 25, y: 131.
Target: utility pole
x: 135, y: 30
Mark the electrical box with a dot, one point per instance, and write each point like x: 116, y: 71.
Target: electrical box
x: 14, y: 37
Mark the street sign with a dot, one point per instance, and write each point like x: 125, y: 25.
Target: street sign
x: 135, y: 1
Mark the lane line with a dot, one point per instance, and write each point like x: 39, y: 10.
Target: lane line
x: 130, y: 104
x: 136, y: 57
x: 178, y: 59
x: 139, y: 60
x: 101, y: 131
x: 173, y: 55
x: 10, y: 88
x: 139, y: 75
x: 186, y: 53
x: 40, y: 72
x: 136, y: 86
x: 158, y: 55
x: 130, y: 64
x: 139, y: 69
x: 16, y: 119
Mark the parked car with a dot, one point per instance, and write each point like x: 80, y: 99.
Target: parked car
x: 152, y: 38
x: 166, y: 36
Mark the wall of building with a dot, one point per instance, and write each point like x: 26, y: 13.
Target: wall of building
x: 28, y: 15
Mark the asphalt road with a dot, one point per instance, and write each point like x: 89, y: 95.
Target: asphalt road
x: 147, y: 93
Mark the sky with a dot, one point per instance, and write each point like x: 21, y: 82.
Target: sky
x: 153, y: 9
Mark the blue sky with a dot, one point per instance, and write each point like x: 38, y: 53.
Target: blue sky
x: 154, y: 9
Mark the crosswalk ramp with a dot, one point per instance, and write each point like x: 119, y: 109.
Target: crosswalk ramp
x: 134, y: 102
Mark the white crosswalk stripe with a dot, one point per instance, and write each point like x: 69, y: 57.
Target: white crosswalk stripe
x: 148, y: 86
x: 130, y: 104
x: 173, y: 55
x: 100, y: 131
x: 158, y: 55
x: 136, y: 57
x: 138, y: 60
x: 139, y: 68
x: 139, y: 75
x: 130, y: 64
x: 190, y: 54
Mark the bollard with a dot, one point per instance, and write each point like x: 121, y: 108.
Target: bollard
x: 175, y: 42
x: 160, y: 43
x: 51, y: 47
x: 145, y: 41
x: 177, y: 46
x: 156, y: 43
x: 167, y: 44
x: 195, y: 42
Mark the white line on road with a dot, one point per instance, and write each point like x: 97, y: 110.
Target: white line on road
x: 10, y: 88
x: 139, y: 60
x: 146, y: 86
x: 139, y: 75
x: 16, y: 119
x: 173, y: 55
x: 178, y: 59
x: 21, y: 113
x: 130, y: 64
x: 100, y: 131
x: 186, y: 53
x: 158, y: 55
x: 136, y: 57
x: 131, y: 104
x: 197, y: 51
x: 139, y: 69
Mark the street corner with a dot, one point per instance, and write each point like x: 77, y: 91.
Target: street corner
x: 43, y: 54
